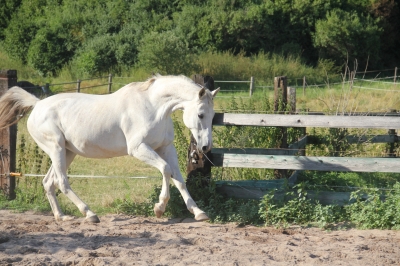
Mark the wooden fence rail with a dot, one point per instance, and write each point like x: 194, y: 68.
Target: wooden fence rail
x: 289, y: 159
x: 293, y: 157
x: 326, y: 121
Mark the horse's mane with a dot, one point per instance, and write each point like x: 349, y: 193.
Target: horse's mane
x: 145, y: 85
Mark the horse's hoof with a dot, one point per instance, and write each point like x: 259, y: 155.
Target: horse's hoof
x: 201, y: 217
x: 92, y: 219
x: 157, y: 211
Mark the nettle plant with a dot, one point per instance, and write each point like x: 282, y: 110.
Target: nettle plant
x: 29, y: 190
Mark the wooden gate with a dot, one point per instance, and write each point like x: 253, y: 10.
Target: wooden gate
x: 8, y: 139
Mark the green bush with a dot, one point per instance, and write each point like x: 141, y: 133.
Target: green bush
x: 96, y: 56
x: 48, y: 52
x: 380, y: 210
x: 295, y: 207
x: 347, y: 35
x: 165, y: 53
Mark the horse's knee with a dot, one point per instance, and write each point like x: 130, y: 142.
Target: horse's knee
x: 166, y: 171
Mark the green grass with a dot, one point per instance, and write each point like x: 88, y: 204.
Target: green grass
x: 101, y: 193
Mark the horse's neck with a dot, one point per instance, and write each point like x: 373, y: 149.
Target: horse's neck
x: 170, y: 97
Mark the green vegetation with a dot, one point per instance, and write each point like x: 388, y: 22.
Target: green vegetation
x: 94, y: 37
x: 295, y: 207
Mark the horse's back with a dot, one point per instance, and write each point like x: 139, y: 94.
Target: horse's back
x: 89, y: 124
x: 99, y: 126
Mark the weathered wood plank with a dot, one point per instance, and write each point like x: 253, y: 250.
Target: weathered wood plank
x: 328, y: 121
x: 342, y: 164
x: 259, y: 151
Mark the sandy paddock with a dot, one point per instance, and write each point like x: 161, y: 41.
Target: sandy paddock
x: 36, y: 239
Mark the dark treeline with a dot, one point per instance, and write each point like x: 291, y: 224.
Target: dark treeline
x: 95, y: 36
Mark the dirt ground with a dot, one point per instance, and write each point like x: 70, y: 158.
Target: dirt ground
x: 36, y: 239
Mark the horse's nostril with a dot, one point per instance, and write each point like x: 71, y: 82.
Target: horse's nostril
x: 204, y: 148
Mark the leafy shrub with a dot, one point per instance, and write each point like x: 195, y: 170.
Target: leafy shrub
x: 165, y: 53
x: 293, y: 208
x: 376, y: 211
x: 343, y: 34
x: 96, y: 56
x: 48, y: 52
x: 125, y: 50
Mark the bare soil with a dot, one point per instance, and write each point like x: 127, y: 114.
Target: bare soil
x: 37, y: 239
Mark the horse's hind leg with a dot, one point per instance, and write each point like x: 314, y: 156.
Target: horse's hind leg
x: 49, y: 186
x: 57, y: 176
x: 52, y: 179
x: 64, y: 186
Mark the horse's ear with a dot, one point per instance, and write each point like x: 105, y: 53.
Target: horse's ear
x: 214, y: 92
x: 202, y: 92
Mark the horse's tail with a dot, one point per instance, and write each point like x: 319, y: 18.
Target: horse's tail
x: 14, y: 104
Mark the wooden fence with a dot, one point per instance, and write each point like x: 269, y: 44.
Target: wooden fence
x: 289, y: 158
x: 8, y: 140
x: 292, y: 156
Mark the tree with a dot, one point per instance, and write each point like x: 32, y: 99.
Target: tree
x: 345, y: 35
x: 22, y: 28
x: 48, y: 52
x: 96, y: 56
x: 165, y: 53
x: 7, y: 9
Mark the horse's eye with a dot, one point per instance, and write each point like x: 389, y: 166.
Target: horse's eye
x: 201, y: 116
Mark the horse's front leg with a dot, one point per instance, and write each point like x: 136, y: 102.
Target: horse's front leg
x: 169, y: 154
x: 146, y: 154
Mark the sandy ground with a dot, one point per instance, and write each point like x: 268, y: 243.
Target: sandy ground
x: 36, y: 239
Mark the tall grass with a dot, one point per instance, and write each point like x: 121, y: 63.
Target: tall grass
x: 264, y: 67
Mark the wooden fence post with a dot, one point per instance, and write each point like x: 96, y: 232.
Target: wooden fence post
x: 395, y: 74
x: 280, y: 104
x: 280, y: 89
x: 109, y: 83
x: 391, y: 146
x: 198, y: 168
x: 291, y: 98
x: 8, y: 141
x: 251, y: 86
x: 78, y: 86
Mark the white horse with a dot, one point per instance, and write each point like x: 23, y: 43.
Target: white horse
x: 134, y: 120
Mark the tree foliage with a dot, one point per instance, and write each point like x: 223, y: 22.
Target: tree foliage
x: 327, y: 28
x: 165, y: 53
x: 346, y: 34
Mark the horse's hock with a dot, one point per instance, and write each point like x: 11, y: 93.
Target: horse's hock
x: 8, y: 138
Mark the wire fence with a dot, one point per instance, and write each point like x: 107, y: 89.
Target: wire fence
x: 78, y: 86
x: 238, y: 88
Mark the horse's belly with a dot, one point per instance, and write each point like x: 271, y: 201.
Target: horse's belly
x: 98, y: 149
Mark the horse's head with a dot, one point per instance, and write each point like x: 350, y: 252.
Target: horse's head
x: 198, y: 116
